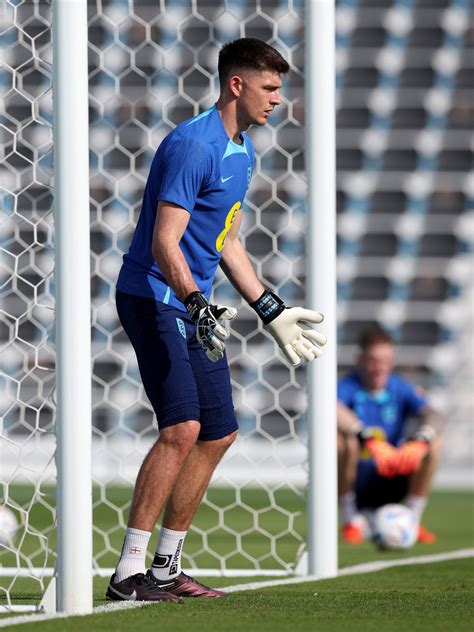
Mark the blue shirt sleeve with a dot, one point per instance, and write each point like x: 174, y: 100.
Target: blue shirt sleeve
x: 184, y: 168
x: 252, y: 153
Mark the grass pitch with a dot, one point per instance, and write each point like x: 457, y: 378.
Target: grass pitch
x: 434, y: 597
x: 427, y: 597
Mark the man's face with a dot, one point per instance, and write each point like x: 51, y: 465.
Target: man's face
x: 375, y: 364
x: 259, y: 95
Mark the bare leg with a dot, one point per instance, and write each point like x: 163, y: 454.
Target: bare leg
x: 348, y: 457
x: 420, y: 481
x: 193, y: 480
x: 158, y: 473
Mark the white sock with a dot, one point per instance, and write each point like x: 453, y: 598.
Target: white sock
x: 417, y: 504
x: 132, y: 558
x: 167, y: 561
x: 349, y: 507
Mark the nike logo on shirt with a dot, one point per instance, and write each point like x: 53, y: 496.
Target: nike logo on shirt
x: 225, y: 179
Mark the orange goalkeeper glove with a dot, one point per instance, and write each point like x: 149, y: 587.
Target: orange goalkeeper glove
x: 384, y: 455
x: 410, y: 455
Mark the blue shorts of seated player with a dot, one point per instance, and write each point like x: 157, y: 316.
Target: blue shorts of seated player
x: 180, y: 381
x: 373, y: 490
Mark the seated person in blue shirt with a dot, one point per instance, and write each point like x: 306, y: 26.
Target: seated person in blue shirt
x: 377, y: 462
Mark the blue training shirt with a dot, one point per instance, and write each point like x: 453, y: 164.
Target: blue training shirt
x: 199, y: 168
x: 387, y: 410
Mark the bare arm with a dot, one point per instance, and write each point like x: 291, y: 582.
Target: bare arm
x: 347, y: 420
x: 430, y: 417
x: 170, y: 224
x: 237, y: 267
x: 298, y: 344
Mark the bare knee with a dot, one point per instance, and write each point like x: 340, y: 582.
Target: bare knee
x: 224, y: 443
x: 180, y: 437
x: 229, y: 440
x: 348, y: 456
x: 347, y: 446
x: 435, y: 449
x: 341, y: 443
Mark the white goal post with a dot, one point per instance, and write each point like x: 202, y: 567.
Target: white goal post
x: 320, y: 94
x: 73, y: 307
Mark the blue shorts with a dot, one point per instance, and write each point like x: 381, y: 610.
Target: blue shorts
x: 179, y: 379
x: 373, y: 490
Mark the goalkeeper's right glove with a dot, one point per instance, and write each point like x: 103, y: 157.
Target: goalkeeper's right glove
x: 384, y: 454
x: 209, y: 332
x: 297, y: 343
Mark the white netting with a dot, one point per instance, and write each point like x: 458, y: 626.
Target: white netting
x: 27, y: 307
x: 151, y: 66
x: 150, y: 69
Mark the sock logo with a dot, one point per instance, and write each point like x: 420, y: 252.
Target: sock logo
x: 161, y: 561
x: 135, y: 550
x: 176, y: 556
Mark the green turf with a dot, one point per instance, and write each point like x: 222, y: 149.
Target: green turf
x: 450, y: 514
x: 228, y: 521
x: 435, y: 597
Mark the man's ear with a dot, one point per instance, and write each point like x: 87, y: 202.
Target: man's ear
x: 235, y: 85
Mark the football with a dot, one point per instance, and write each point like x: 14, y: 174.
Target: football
x: 8, y: 526
x: 395, y: 528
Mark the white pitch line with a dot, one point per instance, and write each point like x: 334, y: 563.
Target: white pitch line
x: 371, y: 567
x: 357, y: 569
x: 109, y: 607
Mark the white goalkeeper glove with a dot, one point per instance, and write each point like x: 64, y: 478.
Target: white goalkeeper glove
x: 209, y: 332
x: 297, y: 343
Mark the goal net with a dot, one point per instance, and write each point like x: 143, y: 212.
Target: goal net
x: 27, y: 304
x: 151, y: 65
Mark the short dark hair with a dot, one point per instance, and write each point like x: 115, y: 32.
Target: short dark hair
x: 374, y: 336
x: 251, y: 54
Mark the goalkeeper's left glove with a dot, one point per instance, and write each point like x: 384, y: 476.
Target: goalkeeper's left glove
x: 296, y: 343
x: 209, y: 332
x: 411, y: 454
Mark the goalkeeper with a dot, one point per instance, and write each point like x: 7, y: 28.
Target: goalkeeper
x: 188, y: 225
x: 378, y: 462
